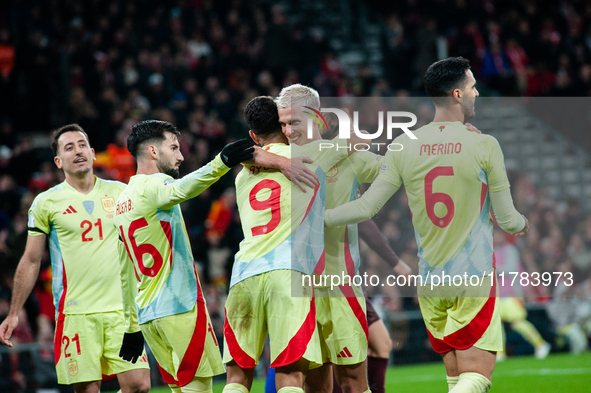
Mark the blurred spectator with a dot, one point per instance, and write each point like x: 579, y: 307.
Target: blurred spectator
x: 116, y: 160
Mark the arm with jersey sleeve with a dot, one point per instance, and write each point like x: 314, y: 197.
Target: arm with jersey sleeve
x: 363, y: 208
x: 128, y: 289
x: 166, y: 192
x: 370, y: 203
x: 132, y: 346
x: 293, y: 169
x: 508, y: 218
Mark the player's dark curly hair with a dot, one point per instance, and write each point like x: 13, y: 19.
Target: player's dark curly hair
x: 148, y: 131
x: 261, y: 116
x: 55, y: 135
x: 445, y: 76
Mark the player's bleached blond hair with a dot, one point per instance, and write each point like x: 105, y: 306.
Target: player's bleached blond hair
x: 297, y: 93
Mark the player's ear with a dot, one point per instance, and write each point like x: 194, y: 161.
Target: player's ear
x: 153, y: 151
x: 93, y: 155
x: 254, y: 137
x: 456, y: 94
x: 58, y: 162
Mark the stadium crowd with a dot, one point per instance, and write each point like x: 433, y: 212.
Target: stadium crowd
x: 108, y: 64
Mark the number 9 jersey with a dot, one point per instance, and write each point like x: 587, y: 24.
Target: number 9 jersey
x: 82, y: 245
x: 283, y: 227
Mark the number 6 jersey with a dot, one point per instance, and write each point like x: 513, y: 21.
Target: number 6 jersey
x: 157, y: 269
x: 448, y: 173
x: 82, y: 245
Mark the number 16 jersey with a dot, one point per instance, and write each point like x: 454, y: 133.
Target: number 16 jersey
x: 157, y: 269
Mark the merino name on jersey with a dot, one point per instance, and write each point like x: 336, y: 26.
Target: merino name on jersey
x: 438, y: 149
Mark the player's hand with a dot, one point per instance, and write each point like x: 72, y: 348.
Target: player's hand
x: 132, y: 347
x: 298, y: 173
x: 236, y: 152
x: 8, y: 325
x: 472, y: 128
x: 402, y: 269
x: 525, y: 230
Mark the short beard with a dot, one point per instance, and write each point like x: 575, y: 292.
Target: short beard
x: 170, y: 171
x: 82, y: 172
x: 174, y: 173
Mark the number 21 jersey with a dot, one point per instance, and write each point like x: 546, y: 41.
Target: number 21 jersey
x: 82, y: 245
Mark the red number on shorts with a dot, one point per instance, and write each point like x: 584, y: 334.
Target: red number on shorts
x: 76, y: 339
x: 270, y: 203
x: 431, y: 198
x: 66, y: 340
x: 82, y: 225
x: 142, y: 249
x: 210, y: 329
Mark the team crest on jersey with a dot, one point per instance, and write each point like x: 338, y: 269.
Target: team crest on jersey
x: 108, y: 204
x: 73, y: 367
x: 331, y: 175
x: 89, y: 206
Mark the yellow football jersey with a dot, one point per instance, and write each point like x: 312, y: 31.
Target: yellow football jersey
x: 82, y: 245
x: 157, y: 269
x: 447, y: 173
x: 283, y: 227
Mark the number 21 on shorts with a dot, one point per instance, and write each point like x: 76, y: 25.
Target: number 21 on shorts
x: 66, y: 344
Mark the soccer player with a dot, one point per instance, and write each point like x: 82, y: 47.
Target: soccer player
x: 162, y: 296
x: 510, y: 302
x: 451, y: 177
x: 276, y: 219
x: 344, y: 330
x: 77, y: 215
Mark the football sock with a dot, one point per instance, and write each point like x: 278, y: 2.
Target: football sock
x: 235, y: 388
x: 529, y: 332
x: 376, y: 374
x: 290, y: 389
x: 472, y: 383
x: 198, y: 385
x: 452, y: 381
